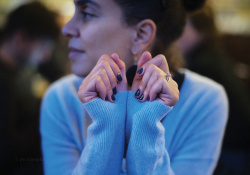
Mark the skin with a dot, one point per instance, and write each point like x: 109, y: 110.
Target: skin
x: 102, y: 28
x: 104, y: 32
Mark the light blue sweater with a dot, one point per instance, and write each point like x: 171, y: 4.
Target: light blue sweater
x: 185, y: 139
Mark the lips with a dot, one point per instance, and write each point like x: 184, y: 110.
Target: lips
x: 73, y: 52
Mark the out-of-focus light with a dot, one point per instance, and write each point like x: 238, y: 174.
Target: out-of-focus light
x: 67, y: 8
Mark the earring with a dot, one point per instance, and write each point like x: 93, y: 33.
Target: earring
x: 135, y: 60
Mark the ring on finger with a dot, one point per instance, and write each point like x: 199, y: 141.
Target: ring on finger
x: 168, y: 76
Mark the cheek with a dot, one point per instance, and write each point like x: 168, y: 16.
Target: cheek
x: 105, y: 38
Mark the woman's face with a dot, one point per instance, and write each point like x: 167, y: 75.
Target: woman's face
x: 97, y: 28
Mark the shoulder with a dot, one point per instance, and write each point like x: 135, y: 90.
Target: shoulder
x: 61, y: 99
x: 199, y: 85
x: 65, y: 86
x: 62, y: 93
x: 203, y: 96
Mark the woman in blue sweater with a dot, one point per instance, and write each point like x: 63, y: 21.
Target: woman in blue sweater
x: 102, y: 121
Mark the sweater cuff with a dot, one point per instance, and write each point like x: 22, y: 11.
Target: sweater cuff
x: 154, y: 110
x: 105, y: 110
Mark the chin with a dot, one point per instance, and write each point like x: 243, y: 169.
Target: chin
x: 79, y: 71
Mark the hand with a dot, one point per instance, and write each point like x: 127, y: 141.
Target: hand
x: 109, y: 73
x: 151, y: 83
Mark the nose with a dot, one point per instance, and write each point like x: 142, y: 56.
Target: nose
x: 70, y: 29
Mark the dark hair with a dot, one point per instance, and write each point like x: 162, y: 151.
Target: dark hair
x: 168, y: 15
x: 35, y: 19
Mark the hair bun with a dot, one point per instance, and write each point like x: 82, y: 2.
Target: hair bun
x: 192, y: 5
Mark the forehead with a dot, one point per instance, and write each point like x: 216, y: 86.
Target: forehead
x: 106, y: 7
x: 90, y: 2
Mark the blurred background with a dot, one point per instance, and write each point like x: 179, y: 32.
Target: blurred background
x: 222, y: 34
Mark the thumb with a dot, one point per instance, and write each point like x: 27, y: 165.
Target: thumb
x: 146, y: 56
x: 121, y: 86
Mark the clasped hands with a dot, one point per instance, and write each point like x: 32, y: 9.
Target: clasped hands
x: 150, y: 82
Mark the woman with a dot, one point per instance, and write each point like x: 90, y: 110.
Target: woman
x: 135, y: 124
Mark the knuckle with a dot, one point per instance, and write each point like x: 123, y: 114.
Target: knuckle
x: 102, y: 72
x: 98, y: 79
x: 157, y: 73
x: 151, y: 67
x: 104, y: 57
x: 162, y: 57
x: 143, y: 83
x: 103, y: 63
x: 162, y: 80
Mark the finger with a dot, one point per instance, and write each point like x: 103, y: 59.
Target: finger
x: 103, y: 64
x: 145, y: 96
x: 150, y: 76
x: 153, y: 80
x: 94, y: 88
x: 100, y: 87
x: 160, y: 86
x: 160, y: 61
x: 146, y: 56
x: 104, y: 76
x: 113, y: 65
x: 121, y: 86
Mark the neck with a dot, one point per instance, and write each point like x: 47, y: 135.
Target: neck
x: 6, y: 56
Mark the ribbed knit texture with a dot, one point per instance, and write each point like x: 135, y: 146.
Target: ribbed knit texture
x: 184, y: 140
x: 145, y: 137
x: 105, y: 138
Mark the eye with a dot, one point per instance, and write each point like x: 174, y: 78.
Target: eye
x: 87, y: 16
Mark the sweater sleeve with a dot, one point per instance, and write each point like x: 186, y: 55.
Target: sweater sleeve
x: 103, y: 152
x: 196, y: 153
x: 146, y: 153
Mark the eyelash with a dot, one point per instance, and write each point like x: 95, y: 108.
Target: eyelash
x: 87, y: 16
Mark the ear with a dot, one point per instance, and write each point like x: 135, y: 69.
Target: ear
x: 144, y: 35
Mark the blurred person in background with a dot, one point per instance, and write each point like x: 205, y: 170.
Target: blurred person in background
x: 26, y: 39
x: 203, y: 52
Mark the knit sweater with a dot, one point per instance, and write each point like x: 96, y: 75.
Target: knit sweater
x: 157, y: 139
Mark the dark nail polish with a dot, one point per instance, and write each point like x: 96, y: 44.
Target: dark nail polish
x: 119, y: 77
x: 140, y: 71
x: 106, y: 98
x: 137, y: 93
x: 114, y: 91
x: 148, y: 98
x: 113, y: 97
x: 141, y: 98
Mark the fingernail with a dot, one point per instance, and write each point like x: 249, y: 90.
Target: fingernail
x: 119, y: 77
x: 114, y: 90
x: 140, y: 71
x: 137, y: 93
x: 148, y: 98
x: 113, y: 97
x: 106, y: 98
x: 141, y: 98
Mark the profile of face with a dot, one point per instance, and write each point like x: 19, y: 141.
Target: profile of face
x: 97, y: 28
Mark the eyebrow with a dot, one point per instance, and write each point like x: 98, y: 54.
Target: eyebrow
x: 83, y: 2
